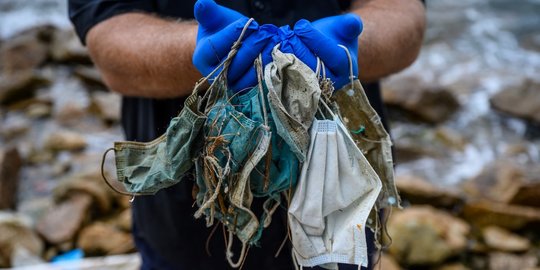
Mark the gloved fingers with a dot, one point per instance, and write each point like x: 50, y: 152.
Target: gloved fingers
x: 249, y: 76
x: 295, y: 46
x: 213, y: 17
x: 302, y: 52
x: 344, y: 28
x: 349, y: 27
x: 213, y: 49
x: 321, y: 45
x: 251, y: 47
x: 246, y: 81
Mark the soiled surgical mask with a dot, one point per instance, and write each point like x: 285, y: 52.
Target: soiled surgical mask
x: 336, y: 191
x: 145, y: 168
x: 293, y: 94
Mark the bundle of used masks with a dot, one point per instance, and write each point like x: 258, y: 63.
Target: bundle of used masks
x: 330, y: 152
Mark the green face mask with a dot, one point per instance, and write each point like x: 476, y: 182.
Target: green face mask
x: 145, y: 168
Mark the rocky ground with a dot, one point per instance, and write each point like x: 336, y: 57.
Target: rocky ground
x: 56, y: 120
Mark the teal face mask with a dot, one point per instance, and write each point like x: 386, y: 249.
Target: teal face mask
x: 279, y: 169
x: 234, y: 143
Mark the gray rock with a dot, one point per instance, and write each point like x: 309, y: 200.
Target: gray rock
x: 523, y: 102
x: 39, y: 110
x: 505, y: 261
x: 66, y: 47
x: 89, y: 75
x: 428, y: 103
x: 423, y: 235
x: 62, y: 222
x: 407, y: 151
x: 71, y: 101
x: 107, y: 105
x: 511, y: 217
x: 123, y: 221
x: 502, y: 240
x: 417, y: 190
x: 16, y: 233
x: 14, y: 125
x: 20, y: 86
x: 65, y: 140
x: 27, y: 50
x: 104, y: 239
x: 10, y: 165
x: 22, y: 257
x: 34, y: 208
x: 506, y: 181
x: 528, y: 195
x: 87, y: 183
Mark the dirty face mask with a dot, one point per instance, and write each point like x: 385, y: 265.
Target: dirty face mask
x: 336, y: 191
x: 293, y: 95
x: 366, y: 128
x: 236, y: 139
x: 234, y: 144
x: 368, y: 132
x: 145, y: 168
x: 278, y: 170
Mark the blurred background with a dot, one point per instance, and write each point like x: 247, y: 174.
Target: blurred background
x: 465, y: 120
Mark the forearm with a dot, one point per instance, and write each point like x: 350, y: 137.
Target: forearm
x: 142, y: 55
x: 392, y: 36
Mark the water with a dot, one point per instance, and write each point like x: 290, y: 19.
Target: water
x: 477, y: 47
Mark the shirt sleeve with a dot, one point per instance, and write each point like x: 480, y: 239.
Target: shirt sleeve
x: 84, y: 14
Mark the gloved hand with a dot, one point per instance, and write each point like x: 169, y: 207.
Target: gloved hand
x: 219, y: 28
x: 291, y: 43
x: 322, y: 38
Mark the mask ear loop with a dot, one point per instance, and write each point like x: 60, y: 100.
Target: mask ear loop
x: 318, y: 68
x: 322, y: 99
x: 323, y: 70
x: 351, y: 70
x: 320, y: 78
x: 351, y: 77
x: 132, y: 195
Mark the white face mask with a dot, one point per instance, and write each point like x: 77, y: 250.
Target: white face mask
x: 336, y: 191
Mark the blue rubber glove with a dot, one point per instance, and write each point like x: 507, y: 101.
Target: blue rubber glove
x: 291, y: 43
x: 219, y: 28
x: 322, y: 38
